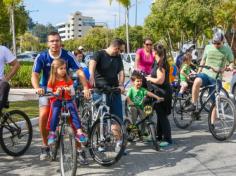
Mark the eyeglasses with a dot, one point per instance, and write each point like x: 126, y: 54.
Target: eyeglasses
x: 52, y: 41
x: 148, y: 44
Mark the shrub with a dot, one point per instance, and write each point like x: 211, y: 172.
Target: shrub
x: 22, y: 79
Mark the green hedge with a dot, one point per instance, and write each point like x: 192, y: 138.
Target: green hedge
x: 22, y: 79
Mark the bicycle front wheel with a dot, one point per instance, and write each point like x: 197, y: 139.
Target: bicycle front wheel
x: 223, y: 115
x: 152, y: 131
x: 15, y: 133
x: 205, y: 92
x: 107, y: 140
x: 182, y: 118
x: 68, y: 156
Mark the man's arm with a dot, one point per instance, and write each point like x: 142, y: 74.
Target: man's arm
x: 35, y: 83
x: 15, y: 65
x: 92, y: 66
x: 203, y: 61
x: 83, y: 81
x: 121, y: 78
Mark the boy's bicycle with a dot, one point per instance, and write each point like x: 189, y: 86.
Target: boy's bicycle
x: 225, y: 122
x: 106, y: 131
x: 65, y: 142
x: 136, y: 130
x: 15, y: 132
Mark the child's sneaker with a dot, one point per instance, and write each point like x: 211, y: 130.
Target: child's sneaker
x: 164, y: 144
x: 52, y: 139
x: 81, y: 138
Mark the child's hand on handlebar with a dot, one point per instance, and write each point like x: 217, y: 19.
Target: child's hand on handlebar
x: 40, y: 91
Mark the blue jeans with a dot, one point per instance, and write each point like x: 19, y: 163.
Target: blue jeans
x: 206, y: 81
x: 114, y: 102
x: 56, y: 109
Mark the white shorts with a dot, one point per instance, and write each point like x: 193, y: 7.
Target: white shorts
x: 43, y: 101
x: 184, y: 84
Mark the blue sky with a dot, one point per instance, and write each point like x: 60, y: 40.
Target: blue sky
x: 56, y: 11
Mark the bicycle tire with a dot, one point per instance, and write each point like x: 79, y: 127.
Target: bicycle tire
x: 227, y: 111
x: 182, y: 118
x: 10, y: 129
x: 86, y: 119
x: 204, y: 91
x: 151, y: 128
x: 54, y: 148
x: 102, y: 158
x: 129, y: 134
x: 68, y: 153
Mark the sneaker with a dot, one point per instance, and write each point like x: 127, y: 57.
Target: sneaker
x: 118, y: 146
x: 45, y: 153
x: 82, y: 157
x: 81, y: 138
x: 52, y: 139
x: 190, y: 108
x: 164, y: 144
x: 101, y: 149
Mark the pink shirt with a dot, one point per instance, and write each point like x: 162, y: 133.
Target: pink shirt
x: 145, y: 63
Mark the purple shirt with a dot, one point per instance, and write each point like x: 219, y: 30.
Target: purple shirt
x: 145, y: 63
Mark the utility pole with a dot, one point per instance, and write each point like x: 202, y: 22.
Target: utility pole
x: 12, y: 24
x: 127, y: 28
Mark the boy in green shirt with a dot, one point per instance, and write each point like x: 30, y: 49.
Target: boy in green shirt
x: 136, y: 95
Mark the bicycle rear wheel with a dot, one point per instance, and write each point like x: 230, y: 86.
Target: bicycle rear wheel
x: 182, y: 118
x: 225, y: 122
x: 68, y: 156
x: 107, y: 140
x: 204, y: 96
x: 15, y: 133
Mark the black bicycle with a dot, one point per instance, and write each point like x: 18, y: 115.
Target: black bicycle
x: 223, y: 110
x: 15, y: 132
x: 144, y: 125
x: 65, y: 142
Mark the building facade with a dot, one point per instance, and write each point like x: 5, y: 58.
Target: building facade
x: 75, y: 27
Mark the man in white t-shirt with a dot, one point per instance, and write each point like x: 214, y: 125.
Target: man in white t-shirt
x: 6, y: 57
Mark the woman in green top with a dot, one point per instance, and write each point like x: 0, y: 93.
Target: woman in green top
x: 136, y: 95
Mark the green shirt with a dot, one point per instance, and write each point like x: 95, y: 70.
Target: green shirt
x: 187, y: 69
x: 217, y: 58
x: 137, y: 96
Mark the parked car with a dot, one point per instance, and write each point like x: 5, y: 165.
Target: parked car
x: 233, y: 84
x: 28, y: 56
x: 128, y: 62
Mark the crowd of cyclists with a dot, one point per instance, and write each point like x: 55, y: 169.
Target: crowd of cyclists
x: 53, y: 70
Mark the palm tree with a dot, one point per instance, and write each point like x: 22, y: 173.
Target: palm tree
x: 126, y: 5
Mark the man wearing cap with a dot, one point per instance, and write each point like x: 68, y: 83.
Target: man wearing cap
x: 217, y: 55
x: 82, y: 50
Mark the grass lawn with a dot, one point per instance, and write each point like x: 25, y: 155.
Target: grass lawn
x: 30, y: 107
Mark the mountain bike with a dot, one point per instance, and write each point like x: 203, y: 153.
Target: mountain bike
x: 106, y: 131
x: 15, y: 132
x: 225, y: 122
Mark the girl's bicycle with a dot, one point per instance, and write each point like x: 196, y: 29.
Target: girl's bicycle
x: 65, y: 142
x: 223, y: 109
x: 15, y: 132
x: 107, y: 139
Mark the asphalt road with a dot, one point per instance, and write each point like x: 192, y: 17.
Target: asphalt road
x: 194, y: 153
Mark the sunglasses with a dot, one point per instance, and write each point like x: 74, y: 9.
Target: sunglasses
x: 217, y: 43
x: 148, y: 44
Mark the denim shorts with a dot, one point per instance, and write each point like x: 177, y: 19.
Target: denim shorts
x: 206, y: 81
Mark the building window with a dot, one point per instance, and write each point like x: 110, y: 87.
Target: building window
x: 61, y: 32
x: 63, y: 37
x: 80, y: 19
x: 80, y: 25
x: 80, y: 30
x: 79, y: 36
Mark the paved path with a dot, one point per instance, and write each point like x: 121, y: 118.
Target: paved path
x: 194, y: 153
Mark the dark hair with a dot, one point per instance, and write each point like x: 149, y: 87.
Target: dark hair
x: 161, y: 52
x: 53, y: 33
x: 76, y: 52
x: 117, y: 42
x: 146, y: 39
x: 187, y: 56
x: 136, y: 75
